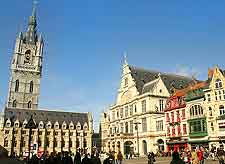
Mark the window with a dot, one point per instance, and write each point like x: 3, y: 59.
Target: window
x: 29, y: 105
x: 167, y: 117
x: 48, y: 133
x: 6, y: 143
x: 47, y: 142
x: 117, y: 114
x: 126, y: 82
x: 168, y: 131
x: 70, y: 143
x: 126, y: 127
x: 210, y: 111
x: 220, y: 95
x: 63, y: 133
x: 56, y: 133
x: 198, y: 126
x: 161, y: 105
x: 40, y: 133
x: 222, y: 110
x: 63, y: 143
x: 196, y: 110
x: 178, y: 116
x: 126, y: 111
x: 173, y: 131
x: 172, y: 116
x: 14, y: 104
x: 113, y: 115
x: 7, y: 132
x: 216, y: 95
x: 208, y: 97
x: 143, y: 104
x: 121, y: 113
x: 131, y: 126
x: 15, y: 144
x: 159, y: 125
x: 184, y: 129
x: 144, y: 125
x: 31, y: 86
x: 121, y: 127
x: 224, y: 94
x: 183, y: 114
x: 55, y: 143
x: 218, y: 83
x: 17, y: 86
x: 178, y: 130
x: 16, y: 132
x: 23, y: 143
x: 24, y: 132
x: 131, y: 110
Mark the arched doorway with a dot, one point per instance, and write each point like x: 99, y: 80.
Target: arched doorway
x: 128, y: 148
x: 160, y: 143
x: 144, y: 147
x: 118, y: 146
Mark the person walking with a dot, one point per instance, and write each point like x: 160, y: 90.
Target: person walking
x: 119, y: 158
x: 200, y: 154
x: 220, y: 155
x: 86, y: 160
x: 77, y: 158
x: 109, y: 160
x: 176, y: 159
x: 151, y: 158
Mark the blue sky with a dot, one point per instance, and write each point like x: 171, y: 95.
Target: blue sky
x: 85, y: 41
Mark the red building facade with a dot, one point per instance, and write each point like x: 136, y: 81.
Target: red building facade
x: 176, y: 122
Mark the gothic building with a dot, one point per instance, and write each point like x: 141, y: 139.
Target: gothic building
x: 136, y: 122
x: 54, y: 131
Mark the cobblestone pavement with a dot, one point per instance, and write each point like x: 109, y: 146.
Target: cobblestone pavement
x: 159, y: 161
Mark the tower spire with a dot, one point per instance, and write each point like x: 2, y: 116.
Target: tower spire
x: 125, y: 58
x: 31, y: 36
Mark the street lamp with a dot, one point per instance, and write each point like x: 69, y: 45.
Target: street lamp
x: 136, y: 127
x: 30, y: 125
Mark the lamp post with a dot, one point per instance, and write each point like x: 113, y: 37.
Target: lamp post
x: 136, y: 127
x: 30, y: 125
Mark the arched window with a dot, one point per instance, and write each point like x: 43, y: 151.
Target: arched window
x: 29, y: 104
x: 218, y: 83
x: 196, y: 110
x: 222, y: 110
x: 14, y: 104
x: 27, y: 57
x: 17, y: 86
x: 31, y: 87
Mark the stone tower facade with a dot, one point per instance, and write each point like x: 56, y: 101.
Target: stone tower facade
x: 26, y: 68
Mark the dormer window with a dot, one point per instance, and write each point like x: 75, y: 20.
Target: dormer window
x: 85, y: 126
x: 218, y: 83
x: 78, y: 126
x: 16, y: 124
x: 64, y: 126
x: 8, y: 123
x: 41, y: 125
x: 24, y: 123
x: 56, y: 126
x: 71, y: 126
x: 49, y: 125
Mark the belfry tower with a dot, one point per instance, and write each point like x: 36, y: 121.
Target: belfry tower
x: 26, y: 68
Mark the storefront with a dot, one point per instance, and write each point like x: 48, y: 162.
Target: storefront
x: 176, y: 145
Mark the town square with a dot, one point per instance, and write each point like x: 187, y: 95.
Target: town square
x: 112, y: 82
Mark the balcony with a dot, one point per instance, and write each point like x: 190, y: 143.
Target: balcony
x: 198, y: 134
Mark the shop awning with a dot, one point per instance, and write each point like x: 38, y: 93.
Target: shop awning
x: 198, y: 141
x: 176, y: 142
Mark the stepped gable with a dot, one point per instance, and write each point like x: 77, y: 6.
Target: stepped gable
x: 143, y: 76
x: 45, y: 116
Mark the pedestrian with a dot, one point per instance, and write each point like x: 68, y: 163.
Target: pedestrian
x: 77, y: 158
x: 194, y: 157
x: 220, y: 155
x: 95, y: 159
x: 151, y: 158
x: 109, y: 160
x: 34, y: 159
x: 176, y: 158
x: 67, y: 159
x: 200, y: 154
x: 86, y: 160
x: 119, y: 158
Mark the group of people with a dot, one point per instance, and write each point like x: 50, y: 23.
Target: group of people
x: 197, y: 156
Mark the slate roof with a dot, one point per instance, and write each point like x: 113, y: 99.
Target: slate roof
x: 45, y: 116
x: 142, y: 76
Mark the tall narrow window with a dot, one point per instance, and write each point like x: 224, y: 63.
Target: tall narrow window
x: 31, y: 87
x: 161, y: 105
x: 29, y: 105
x: 131, y: 126
x: 144, y: 125
x: 126, y: 111
x: 17, y: 86
x: 126, y: 127
x: 126, y: 82
x: 143, y: 104
x: 14, y: 104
